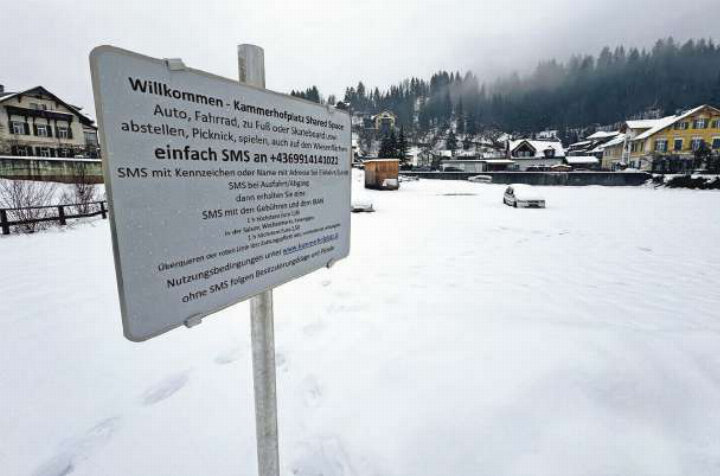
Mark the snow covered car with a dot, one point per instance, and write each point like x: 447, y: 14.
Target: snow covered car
x: 362, y: 205
x: 480, y: 179
x: 523, y: 196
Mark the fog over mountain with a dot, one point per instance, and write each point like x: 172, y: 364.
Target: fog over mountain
x: 331, y: 44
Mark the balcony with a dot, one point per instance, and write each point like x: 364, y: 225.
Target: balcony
x: 21, y: 111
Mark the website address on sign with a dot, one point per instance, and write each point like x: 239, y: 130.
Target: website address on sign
x: 309, y: 244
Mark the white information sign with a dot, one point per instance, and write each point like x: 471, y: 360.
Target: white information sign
x: 217, y: 191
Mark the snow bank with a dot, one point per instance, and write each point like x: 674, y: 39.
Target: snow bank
x: 477, y: 340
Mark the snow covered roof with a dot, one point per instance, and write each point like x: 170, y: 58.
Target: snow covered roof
x: 603, y: 135
x: 582, y: 160
x: 524, y: 191
x: 548, y: 134
x: 581, y: 143
x: 84, y: 118
x: 540, y: 146
x: 667, y: 121
x: 642, y: 124
x: 611, y: 143
x: 498, y: 161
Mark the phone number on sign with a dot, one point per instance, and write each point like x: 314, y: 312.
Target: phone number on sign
x: 285, y: 158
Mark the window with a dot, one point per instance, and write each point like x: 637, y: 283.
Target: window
x: 716, y: 143
x: 684, y: 126
x: 41, y: 130
x: 62, y: 133
x: 38, y: 107
x: 18, y: 127
x: 21, y: 150
x: 678, y: 145
x: 43, y: 152
x: 696, y: 143
x: 700, y: 123
x: 661, y: 145
x: 91, y: 138
x: 716, y: 124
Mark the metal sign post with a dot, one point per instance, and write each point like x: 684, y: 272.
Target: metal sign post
x: 251, y: 66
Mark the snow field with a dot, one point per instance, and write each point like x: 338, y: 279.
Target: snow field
x: 461, y: 337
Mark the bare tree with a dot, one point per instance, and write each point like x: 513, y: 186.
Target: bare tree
x: 83, y: 191
x: 21, y: 196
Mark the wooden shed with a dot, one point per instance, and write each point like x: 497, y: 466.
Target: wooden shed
x: 382, y: 174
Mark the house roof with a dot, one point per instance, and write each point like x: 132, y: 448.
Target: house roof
x: 642, y: 124
x: 603, y: 135
x: 84, y: 119
x: 582, y: 160
x: 581, y: 143
x: 540, y: 146
x: 498, y: 161
x: 611, y: 143
x: 384, y: 113
x: 669, y: 121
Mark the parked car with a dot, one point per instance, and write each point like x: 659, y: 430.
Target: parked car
x: 523, y: 196
x: 362, y: 205
x: 481, y: 179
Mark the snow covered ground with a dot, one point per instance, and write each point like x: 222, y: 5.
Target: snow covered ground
x: 461, y: 337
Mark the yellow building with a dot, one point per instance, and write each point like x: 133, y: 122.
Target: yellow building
x: 680, y: 135
x: 612, y: 152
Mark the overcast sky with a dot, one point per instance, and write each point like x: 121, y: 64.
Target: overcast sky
x: 330, y: 43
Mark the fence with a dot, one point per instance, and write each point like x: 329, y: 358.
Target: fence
x: 546, y: 178
x: 64, y: 213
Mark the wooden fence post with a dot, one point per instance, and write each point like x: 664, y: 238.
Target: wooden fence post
x: 61, y: 215
x: 4, y: 223
x: 103, y: 211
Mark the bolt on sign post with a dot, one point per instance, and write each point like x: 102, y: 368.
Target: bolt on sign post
x: 218, y: 191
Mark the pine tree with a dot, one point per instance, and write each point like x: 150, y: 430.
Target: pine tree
x: 460, y: 117
x: 715, y: 95
x: 471, y: 123
x: 451, y: 142
x: 402, y: 146
x: 389, y: 147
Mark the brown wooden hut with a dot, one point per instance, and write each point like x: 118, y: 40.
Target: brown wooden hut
x: 382, y: 174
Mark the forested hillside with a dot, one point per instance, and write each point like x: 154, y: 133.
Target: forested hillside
x: 585, y: 90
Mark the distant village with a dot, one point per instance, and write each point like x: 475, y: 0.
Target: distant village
x: 37, y: 123
x: 688, y: 141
